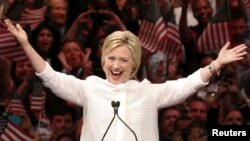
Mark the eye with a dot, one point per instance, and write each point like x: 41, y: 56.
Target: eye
x: 112, y: 58
x: 124, y: 60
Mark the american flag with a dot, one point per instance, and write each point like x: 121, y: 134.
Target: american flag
x: 9, y: 47
x: 216, y: 34
x: 15, y: 106
x: 153, y: 28
x: 37, y: 96
x: 10, y: 132
x: 172, y: 44
x: 32, y: 17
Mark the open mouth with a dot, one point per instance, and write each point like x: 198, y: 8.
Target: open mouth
x: 116, y: 74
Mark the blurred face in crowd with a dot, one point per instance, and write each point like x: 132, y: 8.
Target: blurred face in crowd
x: 160, y: 68
x: 202, y: 11
x: 58, y: 12
x: 172, y: 68
x: 234, y: 117
x: 62, y: 122
x: 195, y: 134
x: 238, y: 30
x: 73, y: 54
x: 24, y: 70
x: 169, y: 117
x: 198, y: 110
x: 44, y: 40
x: 118, y: 65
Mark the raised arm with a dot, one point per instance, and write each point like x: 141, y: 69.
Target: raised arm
x: 185, y: 33
x: 83, y: 18
x: 225, y: 57
x: 36, y: 60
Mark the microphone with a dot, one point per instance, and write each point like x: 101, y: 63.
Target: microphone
x: 113, y: 104
x: 118, y: 104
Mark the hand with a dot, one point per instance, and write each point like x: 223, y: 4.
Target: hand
x: 62, y: 58
x: 85, y: 17
x: 85, y: 58
x: 18, y: 32
x: 227, y: 55
x: 113, y: 20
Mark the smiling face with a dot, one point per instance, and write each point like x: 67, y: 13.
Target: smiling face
x: 58, y: 12
x: 121, y: 56
x: 202, y: 11
x: 118, y: 65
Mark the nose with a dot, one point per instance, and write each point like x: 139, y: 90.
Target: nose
x: 116, y: 64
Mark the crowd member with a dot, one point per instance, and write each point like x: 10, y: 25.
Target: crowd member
x: 75, y: 61
x: 197, y: 131
x: 180, y: 128
x: 156, y: 66
x: 203, y: 13
x: 9, y: 97
x: 128, y: 11
x: 12, y: 104
x: 233, y: 117
x: 197, y: 108
x: 121, y: 57
x: 62, y: 119
x: 45, y: 39
x: 22, y: 73
x: 167, y: 117
x: 57, y: 15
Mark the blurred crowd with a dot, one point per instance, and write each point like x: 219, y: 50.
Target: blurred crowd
x: 69, y: 34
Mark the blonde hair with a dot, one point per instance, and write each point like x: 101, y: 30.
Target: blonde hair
x: 119, y: 38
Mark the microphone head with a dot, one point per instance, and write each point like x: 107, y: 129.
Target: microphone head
x: 113, y: 104
x: 117, y: 103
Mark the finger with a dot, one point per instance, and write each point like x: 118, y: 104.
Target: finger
x: 226, y: 46
x: 18, y: 26
x: 242, y: 53
x: 9, y: 24
x: 240, y: 48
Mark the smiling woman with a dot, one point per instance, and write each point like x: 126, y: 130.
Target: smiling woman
x: 127, y: 46
x: 139, y: 101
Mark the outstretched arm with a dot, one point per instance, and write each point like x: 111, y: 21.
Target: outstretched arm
x: 225, y: 57
x: 36, y: 60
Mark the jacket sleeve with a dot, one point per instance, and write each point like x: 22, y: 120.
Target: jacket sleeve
x: 65, y: 86
x: 176, y: 91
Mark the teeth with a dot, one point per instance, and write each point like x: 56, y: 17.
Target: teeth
x: 114, y: 72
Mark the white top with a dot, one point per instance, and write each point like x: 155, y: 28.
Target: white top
x: 139, y: 102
